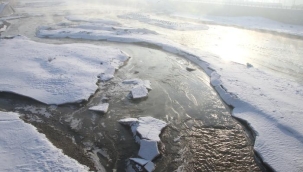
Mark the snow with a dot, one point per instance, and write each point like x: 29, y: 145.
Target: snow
x: 55, y: 74
x: 23, y: 148
x: 148, y: 149
x: 255, y: 23
x: 100, y: 108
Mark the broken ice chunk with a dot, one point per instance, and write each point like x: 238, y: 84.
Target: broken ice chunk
x: 150, y: 128
x: 148, y: 149
x: 139, y: 161
x: 128, y: 121
x: 139, y: 91
x: 100, y: 108
x: 150, y: 166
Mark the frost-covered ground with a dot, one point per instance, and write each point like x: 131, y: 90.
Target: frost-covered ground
x: 255, y: 23
x: 23, y: 148
x: 270, y: 105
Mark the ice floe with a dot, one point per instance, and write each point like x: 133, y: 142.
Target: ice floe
x: 23, y: 148
x: 139, y: 91
x: 149, y: 167
x: 148, y: 149
x: 103, y: 108
x: 139, y: 161
x: 139, y: 88
x: 70, y: 76
x: 148, y: 129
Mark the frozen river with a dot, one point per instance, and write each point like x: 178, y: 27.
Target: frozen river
x: 202, y: 135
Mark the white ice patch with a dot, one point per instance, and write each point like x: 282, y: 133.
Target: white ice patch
x: 148, y: 149
x: 100, y: 108
x: 23, y: 148
x: 69, y: 76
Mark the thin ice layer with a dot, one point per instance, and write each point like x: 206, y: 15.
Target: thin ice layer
x: 55, y: 74
x: 23, y: 148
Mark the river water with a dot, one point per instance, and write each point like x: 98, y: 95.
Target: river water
x: 201, y: 135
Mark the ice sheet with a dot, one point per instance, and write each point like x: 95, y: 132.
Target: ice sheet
x: 23, y: 148
x: 100, y: 108
x: 55, y: 74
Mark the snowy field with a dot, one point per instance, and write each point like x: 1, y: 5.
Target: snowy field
x: 56, y: 74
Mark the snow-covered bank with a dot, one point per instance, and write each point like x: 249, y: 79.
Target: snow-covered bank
x: 55, y: 74
x: 23, y: 148
x: 254, y: 23
x: 270, y: 105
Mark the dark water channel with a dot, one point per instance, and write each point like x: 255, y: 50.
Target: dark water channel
x: 201, y: 135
